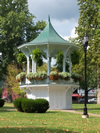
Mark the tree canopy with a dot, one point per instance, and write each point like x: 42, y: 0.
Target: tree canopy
x: 89, y: 22
x: 16, y: 27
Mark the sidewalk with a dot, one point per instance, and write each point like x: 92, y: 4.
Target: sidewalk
x: 76, y: 112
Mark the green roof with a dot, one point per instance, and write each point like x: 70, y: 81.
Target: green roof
x: 49, y: 36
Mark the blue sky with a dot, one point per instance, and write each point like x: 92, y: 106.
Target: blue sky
x: 64, y: 14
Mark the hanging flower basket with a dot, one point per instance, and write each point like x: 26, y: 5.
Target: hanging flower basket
x: 21, y: 77
x: 76, y: 77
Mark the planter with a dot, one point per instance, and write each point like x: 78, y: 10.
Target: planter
x: 66, y: 81
x: 43, y: 81
x: 22, y: 82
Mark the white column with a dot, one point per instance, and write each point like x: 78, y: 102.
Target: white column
x: 48, y: 60
x: 28, y: 64
x: 64, y: 59
x: 70, y: 64
x: 49, y: 65
x: 33, y: 66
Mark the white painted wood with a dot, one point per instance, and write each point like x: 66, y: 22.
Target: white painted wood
x: 58, y: 95
x: 70, y: 65
x: 48, y: 60
x: 28, y: 64
x: 39, y: 92
x: 64, y: 63
x: 33, y: 66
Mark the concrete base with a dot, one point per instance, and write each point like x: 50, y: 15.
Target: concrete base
x: 85, y: 116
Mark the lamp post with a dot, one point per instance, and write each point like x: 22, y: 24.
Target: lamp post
x: 85, y: 44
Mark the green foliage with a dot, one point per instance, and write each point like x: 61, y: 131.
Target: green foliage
x: 28, y: 105
x: 16, y: 27
x: 11, y: 83
x: 42, y: 68
x: 75, y: 56
x: 76, y: 77
x: 30, y: 76
x: 64, y: 75
x: 0, y: 92
x: 2, y: 102
x: 21, y: 76
x: 17, y: 104
x: 37, y: 56
x: 53, y: 75
x: 59, y: 59
x: 37, y: 76
x: 31, y: 106
x: 89, y: 23
x: 21, y: 58
x: 41, y: 105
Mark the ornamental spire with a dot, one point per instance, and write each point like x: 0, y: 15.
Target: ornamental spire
x: 48, y: 18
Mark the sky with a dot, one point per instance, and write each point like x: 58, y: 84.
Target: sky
x: 64, y: 14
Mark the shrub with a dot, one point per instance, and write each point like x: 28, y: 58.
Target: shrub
x: 28, y: 105
x: 41, y: 105
x: 2, y: 102
x: 17, y: 104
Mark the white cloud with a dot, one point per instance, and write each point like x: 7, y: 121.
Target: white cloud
x: 64, y: 13
x: 72, y: 35
x: 59, y: 9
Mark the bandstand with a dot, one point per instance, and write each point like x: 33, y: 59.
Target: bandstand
x: 58, y: 93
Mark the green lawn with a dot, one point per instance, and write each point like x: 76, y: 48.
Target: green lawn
x: 12, y: 121
x: 92, y: 108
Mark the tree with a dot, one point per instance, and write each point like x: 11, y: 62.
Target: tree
x: 16, y: 27
x: 59, y: 61
x: 12, y: 84
x: 89, y: 23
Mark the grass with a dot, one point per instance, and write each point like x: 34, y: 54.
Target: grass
x: 12, y: 121
x: 92, y: 108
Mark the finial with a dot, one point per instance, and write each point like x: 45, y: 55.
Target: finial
x: 48, y: 18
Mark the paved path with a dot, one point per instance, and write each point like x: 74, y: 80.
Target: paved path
x: 77, y: 112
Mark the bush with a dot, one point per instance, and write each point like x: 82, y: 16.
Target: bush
x: 41, y: 105
x: 28, y: 105
x: 17, y: 104
x: 2, y: 102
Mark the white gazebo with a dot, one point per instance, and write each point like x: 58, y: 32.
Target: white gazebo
x: 58, y: 94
